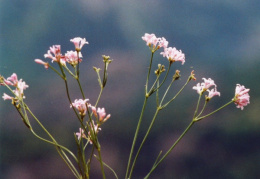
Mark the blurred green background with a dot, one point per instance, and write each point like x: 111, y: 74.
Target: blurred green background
x: 221, y: 40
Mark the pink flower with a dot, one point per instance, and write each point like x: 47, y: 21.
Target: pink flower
x: 163, y: 43
x: 72, y: 57
x: 213, y: 92
x: 12, y: 80
x: 100, y: 114
x: 80, y: 134
x: 78, y: 42
x: 80, y: 105
x: 6, y: 97
x: 95, y: 129
x: 241, y: 98
x: 39, y: 61
x: 202, y: 87
x: 151, y: 39
x: 172, y: 54
x: 20, y: 86
x: 55, y: 55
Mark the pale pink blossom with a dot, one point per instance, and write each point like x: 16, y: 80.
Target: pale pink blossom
x: 202, y: 87
x: 80, y: 105
x: 163, y: 43
x: 157, y: 43
x: 6, y: 97
x: 55, y: 55
x: 150, y: 39
x: 72, y: 57
x: 213, y: 92
x: 78, y: 42
x: 102, y: 115
x: 39, y: 61
x: 242, y: 97
x: 81, y: 134
x: 96, y: 129
x: 12, y: 80
x: 20, y: 86
x: 172, y: 54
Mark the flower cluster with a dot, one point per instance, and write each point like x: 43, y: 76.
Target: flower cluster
x: 172, y: 54
x: 71, y: 57
x: 99, y: 113
x: 241, y: 98
x: 157, y: 43
x: 202, y: 87
x: 19, y: 85
x: 81, y: 106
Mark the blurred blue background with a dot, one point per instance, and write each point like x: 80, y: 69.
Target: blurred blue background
x: 221, y: 40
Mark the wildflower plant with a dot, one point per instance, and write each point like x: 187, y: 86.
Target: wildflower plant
x: 91, y: 117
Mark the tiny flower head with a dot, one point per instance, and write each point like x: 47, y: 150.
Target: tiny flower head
x: 81, y: 134
x: 55, y: 55
x: 242, y: 97
x: 192, y: 76
x: 80, y: 105
x: 102, y: 115
x: 39, y: 61
x: 95, y: 129
x: 73, y: 58
x: 78, y: 42
x: 157, y: 43
x: 202, y: 87
x: 213, y: 92
x: 172, y: 54
x: 19, y: 85
x: 12, y: 80
x: 6, y: 97
x: 163, y: 43
x: 150, y: 39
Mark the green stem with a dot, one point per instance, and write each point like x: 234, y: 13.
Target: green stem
x: 101, y: 162
x: 172, y: 147
x: 144, y: 139
x: 81, y: 90
x: 107, y: 166
x: 60, y: 151
x: 197, y: 119
x: 165, y: 76
x: 149, y: 71
x: 197, y: 107
x: 135, y: 136
x: 163, y: 106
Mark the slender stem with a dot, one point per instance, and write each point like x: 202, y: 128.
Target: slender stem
x: 196, y: 110
x: 100, y: 93
x: 172, y: 147
x: 163, y: 106
x: 67, y: 161
x: 165, y: 76
x: 101, y: 162
x: 166, y: 91
x: 56, y: 144
x: 135, y: 136
x: 107, y: 166
x: 206, y: 102
x: 81, y: 90
x: 144, y: 139
x: 197, y: 119
x: 56, y: 71
x: 149, y: 71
